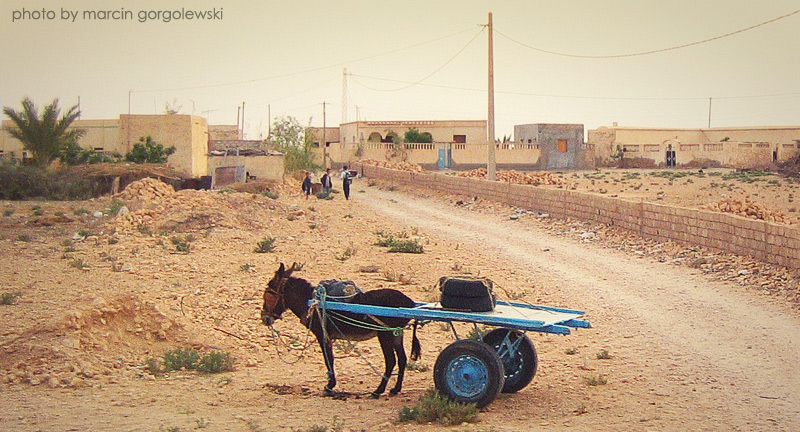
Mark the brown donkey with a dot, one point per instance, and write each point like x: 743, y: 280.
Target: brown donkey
x: 287, y: 292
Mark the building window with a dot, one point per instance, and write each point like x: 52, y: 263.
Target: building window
x: 630, y: 148
x: 562, y: 146
x: 461, y: 139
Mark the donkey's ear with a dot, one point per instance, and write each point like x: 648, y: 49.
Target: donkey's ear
x: 281, y: 270
x: 292, y: 269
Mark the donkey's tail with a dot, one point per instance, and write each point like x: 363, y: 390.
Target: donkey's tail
x: 416, y: 348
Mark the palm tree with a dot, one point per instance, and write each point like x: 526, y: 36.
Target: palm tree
x: 43, y: 136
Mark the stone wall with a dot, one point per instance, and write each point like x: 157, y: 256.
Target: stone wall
x: 765, y: 241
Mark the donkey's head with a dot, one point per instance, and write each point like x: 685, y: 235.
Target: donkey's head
x: 274, y: 295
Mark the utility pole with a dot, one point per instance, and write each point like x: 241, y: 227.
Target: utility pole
x: 709, y: 113
x: 344, y: 96
x: 242, y: 119
x: 238, y: 116
x: 324, y: 146
x: 491, y: 167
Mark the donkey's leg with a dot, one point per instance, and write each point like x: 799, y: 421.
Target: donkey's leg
x: 327, y: 353
x: 385, y: 338
x: 402, y: 360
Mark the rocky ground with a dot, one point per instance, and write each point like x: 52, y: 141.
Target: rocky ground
x: 97, y: 288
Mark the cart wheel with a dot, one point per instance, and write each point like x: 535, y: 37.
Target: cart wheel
x: 469, y: 371
x: 518, y: 355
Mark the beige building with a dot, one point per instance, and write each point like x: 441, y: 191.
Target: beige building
x: 189, y: 135
x: 454, y: 131
x: 741, y: 147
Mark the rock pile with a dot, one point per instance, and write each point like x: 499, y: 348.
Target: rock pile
x: 401, y: 166
x: 748, y: 209
x: 147, y: 189
x: 516, y: 177
x: 159, y: 207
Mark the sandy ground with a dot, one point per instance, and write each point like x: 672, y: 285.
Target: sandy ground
x: 99, y: 296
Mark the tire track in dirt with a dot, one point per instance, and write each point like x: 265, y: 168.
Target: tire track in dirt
x: 720, y: 353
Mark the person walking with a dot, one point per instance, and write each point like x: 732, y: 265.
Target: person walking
x: 346, y: 180
x: 307, y: 185
x: 327, y: 182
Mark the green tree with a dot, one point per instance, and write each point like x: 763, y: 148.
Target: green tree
x: 149, y: 151
x: 43, y: 135
x: 294, y: 141
x: 413, y: 135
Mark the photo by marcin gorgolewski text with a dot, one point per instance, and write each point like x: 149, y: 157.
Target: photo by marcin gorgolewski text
x: 122, y: 14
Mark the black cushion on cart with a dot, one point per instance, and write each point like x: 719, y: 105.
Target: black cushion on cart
x: 463, y: 293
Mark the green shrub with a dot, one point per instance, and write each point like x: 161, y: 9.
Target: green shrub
x: 28, y: 182
x: 7, y: 299
x: 406, y: 246
x: 597, y: 380
x: 349, y: 252
x: 181, y: 359
x: 216, y: 362
x: 433, y: 407
x: 191, y: 359
x: 270, y: 194
x: 603, y: 355
x: 183, y: 245
x: 265, y: 246
x: 149, y: 151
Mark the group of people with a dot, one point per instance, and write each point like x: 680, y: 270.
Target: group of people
x: 327, y: 182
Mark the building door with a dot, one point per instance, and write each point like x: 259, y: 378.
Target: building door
x: 445, y: 157
x: 671, y: 158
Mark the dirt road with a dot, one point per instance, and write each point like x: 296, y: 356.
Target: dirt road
x: 684, y: 352
x: 704, y: 355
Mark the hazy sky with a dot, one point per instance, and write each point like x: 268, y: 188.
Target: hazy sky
x: 413, y: 60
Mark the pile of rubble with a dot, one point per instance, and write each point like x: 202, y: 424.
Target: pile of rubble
x: 401, y: 166
x: 146, y: 189
x: 748, y: 209
x: 156, y: 206
x: 516, y: 177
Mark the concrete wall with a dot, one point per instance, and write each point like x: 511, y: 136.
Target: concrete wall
x: 547, y: 136
x: 765, y: 241
x: 734, y: 147
x: 268, y: 167
x: 224, y: 132
x: 189, y: 135
x: 101, y: 135
x: 464, y: 156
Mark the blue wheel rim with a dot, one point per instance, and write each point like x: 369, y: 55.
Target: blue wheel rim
x: 467, y: 376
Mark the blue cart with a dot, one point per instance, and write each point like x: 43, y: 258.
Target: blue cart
x: 504, y: 360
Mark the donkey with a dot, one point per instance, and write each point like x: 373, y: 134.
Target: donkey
x: 287, y: 292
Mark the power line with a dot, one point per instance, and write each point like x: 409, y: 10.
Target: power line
x: 570, y: 96
x: 651, y: 51
x: 306, y: 70
x: 412, y: 84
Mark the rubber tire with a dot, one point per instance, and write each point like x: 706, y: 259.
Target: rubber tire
x: 469, y: 371
x: 518, y: 372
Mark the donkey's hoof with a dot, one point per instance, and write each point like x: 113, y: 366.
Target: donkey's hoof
x: 394, y: 392
x: 328, y: 391
x: 374, y: 395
